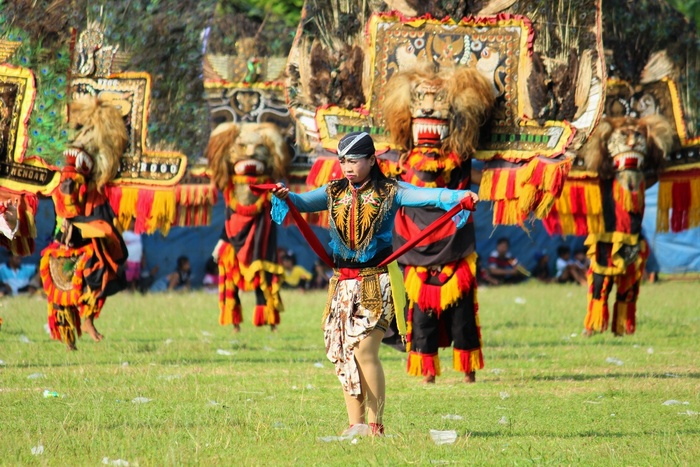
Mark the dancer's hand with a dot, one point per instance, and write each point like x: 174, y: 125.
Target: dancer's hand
x: 281, y: 191
x: 469, y: 200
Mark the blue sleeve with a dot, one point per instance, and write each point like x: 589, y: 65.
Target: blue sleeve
x: 311, y: 201
x: 414, y: 197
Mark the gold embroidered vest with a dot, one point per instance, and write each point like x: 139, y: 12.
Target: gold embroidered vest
x: 357, y: 213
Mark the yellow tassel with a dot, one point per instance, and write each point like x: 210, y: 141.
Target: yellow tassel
x: 162, y: 212
x: 127, y: 206
x: 620, y: 318
x: 665, y: 199
x: 486, y: 185
x: 694, y: 215
x: 502, y: 185
x: 415, y: 365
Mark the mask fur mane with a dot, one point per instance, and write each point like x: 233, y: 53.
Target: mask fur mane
x: 470, y: 97
x: 655, y: 128
x: 223, y: 153
x: 102, y: 133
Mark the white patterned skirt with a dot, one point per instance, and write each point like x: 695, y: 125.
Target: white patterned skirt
x: 348, y: 322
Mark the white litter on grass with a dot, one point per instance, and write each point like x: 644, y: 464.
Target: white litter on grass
x: 443, y: 437
x: 650, y: 350
x: 141, y: 400
x: 47, y: 330
x: 573, y: 334
x: 120, y: 462
x: 168, y: 341
x: 213, y: 403
x: 125, y: 364
x: 689, y: 413
x: 671, y: 375
x: 450, y: 416
x: 520, y: 301
x: 318, y: 365
x: 268, y: 349
x: 24, y: 339
x: 38, y: 450
x: 2, y: 362
x: 612, y: 414
x: 170, y: 377
x: 615, y: 361
x: 348, y: 435
x: 36, y: 376
x: 504, y: 395
x: 309, y: 386
x: 207, y: 334
x: 496, y: 371
x: 503, y: 421
x: 224, y: 352
x: 294, y: 388
x: 675, y: 402
x: 278, y: 426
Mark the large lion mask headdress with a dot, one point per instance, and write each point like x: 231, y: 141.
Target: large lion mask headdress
x: 628, y: 148
x: 254, y: 149
x: 446, y: 108
x: 101, y: 134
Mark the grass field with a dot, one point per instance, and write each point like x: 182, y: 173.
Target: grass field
x: 547, y: 394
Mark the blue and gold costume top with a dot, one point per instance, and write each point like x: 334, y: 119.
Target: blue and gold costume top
x: 362, y: 217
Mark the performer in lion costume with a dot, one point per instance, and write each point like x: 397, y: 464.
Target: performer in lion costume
x: 626, y: 153
x: 435, y: 116
x: 84, y: 263
x: 241, y: 156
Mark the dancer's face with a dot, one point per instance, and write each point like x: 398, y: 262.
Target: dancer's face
x: 357, y: 170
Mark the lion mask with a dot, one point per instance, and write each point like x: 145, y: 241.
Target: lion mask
x: 445, y: 108
x: 255, y: 149
x: 628, y: 148
x: 100, y: 139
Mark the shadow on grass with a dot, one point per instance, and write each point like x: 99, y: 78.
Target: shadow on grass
x: 588, y: 377
x: 583, y: 434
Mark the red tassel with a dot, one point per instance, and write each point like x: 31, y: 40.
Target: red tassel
x: 681, y: 206
x: 259, y: 316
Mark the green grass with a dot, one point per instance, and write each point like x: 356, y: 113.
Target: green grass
x: 546, y: 396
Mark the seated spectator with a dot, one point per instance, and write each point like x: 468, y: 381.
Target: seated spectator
x: 541, y: 270
x: 321, y: 275
x: 502, y: 266
x: 176, y: 280
x: 581, y: 259
x: 482, y: 275
x: 295, y: 276
x: 211, y: 276
x: 16, y: 277
x: 567, y: 270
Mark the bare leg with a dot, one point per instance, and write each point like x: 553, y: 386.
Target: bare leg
x: 372, y: 375
x: 429, y: 379
x: 89, y: 327
x: 355, y: 407
x: 470, y: 377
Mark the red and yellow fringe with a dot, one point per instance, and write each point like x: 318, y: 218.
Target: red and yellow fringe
x: 517, y: 192
x: 466, y: 361
x: 679, y: 201
x: 459, y: 279
x: 54, y: 294
x: 422, y: 364
x: 234, y: 276
x: 579, y: 209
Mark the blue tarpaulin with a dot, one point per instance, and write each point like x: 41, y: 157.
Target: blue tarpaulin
x: 671, y: 252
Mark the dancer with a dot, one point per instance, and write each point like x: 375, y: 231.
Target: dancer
x: 434, y: 118
x: 362, y: 207
x: 624, y: 152
x: 240, y: 156
x: 85, y: 262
